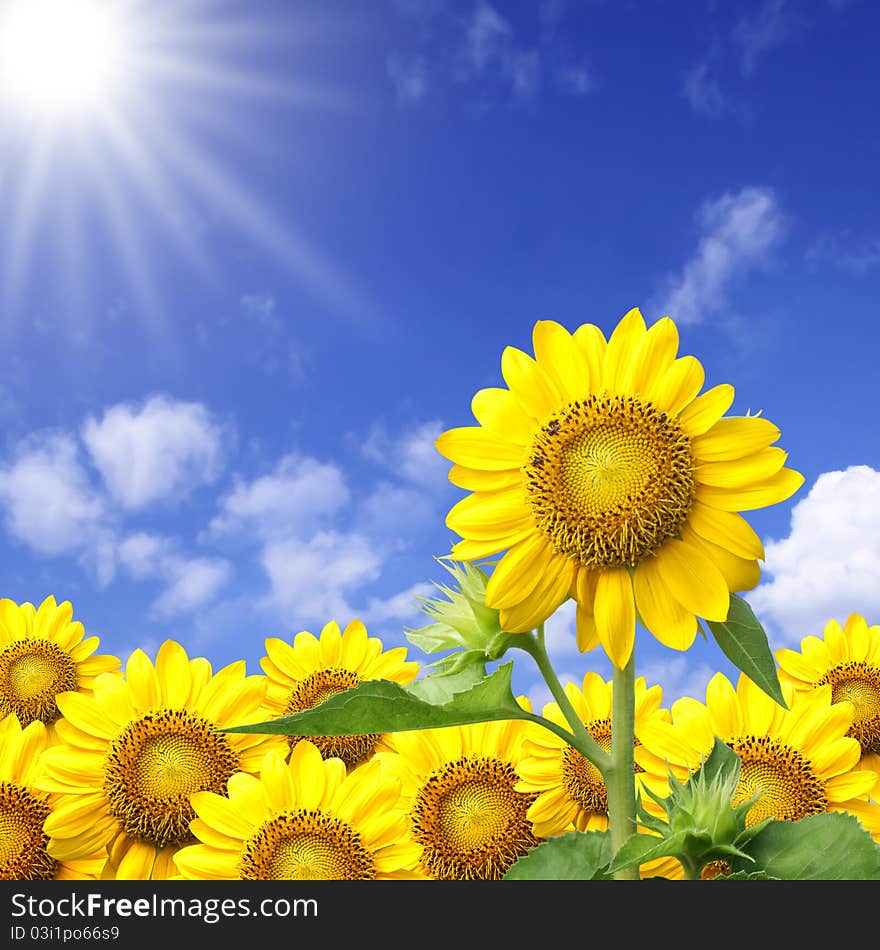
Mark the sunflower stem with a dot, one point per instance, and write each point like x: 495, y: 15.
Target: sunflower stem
x: 620, y: 775
x: 533, y: 644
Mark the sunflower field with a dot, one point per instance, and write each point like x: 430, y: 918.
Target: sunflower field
x: 602, y: 473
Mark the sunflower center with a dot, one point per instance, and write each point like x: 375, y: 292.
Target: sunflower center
x: 859, y: 683
x: 311, y: 692
x: 306, y: 845
x: 582, y: 780
x: 32, y: 673
x: 23, y: 855
x: 470, y: 820
x: 156, y: 763
x: 610, y: 479
x: 785, y: 780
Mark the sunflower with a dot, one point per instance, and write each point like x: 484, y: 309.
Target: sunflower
x: 459, y: 783
x: 305, y: 819
x: 304, y: 674
x: 133, y: 752
x: 570, y: 789
x: 847, y: 658
x: 24, y: 809
x: 800, y: 760
x: 606, y: 478
x: 44, y: 652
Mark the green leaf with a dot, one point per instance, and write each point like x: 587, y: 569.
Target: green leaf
x: 744, y: 876
x: 743, y: 641
x: 379, y: 706
x: 453, y: 674
x: 572, y: 856
x: 639, y: 849
x: 831, y: 846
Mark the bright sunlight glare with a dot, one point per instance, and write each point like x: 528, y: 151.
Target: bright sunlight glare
x: 59, y: 56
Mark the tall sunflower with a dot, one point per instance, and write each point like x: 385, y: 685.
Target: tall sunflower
x: 570, y: 790
x: 459, y: 783
x: 24, y: 808
x: 133, y: 752
x: 44, y: 652
x: 305, y: 819
x: 303, y: 674
x: 605, y: 477
x: 800, y: 760
x: 847, y: 658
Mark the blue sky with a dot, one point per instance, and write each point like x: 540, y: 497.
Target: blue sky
x: 242, y: 297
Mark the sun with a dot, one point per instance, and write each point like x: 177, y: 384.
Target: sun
x: 60, y: 57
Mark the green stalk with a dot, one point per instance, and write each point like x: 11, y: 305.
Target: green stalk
x: 533, y: 644
x: 620, y: 775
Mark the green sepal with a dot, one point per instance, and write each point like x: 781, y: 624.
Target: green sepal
x: 744, y: 642
x: 572, y: 856
x: 460, y: 618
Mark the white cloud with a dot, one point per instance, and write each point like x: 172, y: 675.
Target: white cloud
x: 487, y: 36
x: 190, y: 582
x: 196, y: 581
x: 576, y: 78
x: 311, y: 581
x: 410, y: 78
x: 261, y: 307
x: 47, y: 499
x: 773, y: 24
x: 144, y: 555
x: 702, y: 92
x: 829, y: 565
x: 158, y: 449
x: 856, y: 253
x: 294, y: 499
x: 738, y: 233
x: 679, y: 677
x: 412, y: 455
x: 401, y: 607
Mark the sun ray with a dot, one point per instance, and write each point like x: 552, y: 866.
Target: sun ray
x: 130, y: 148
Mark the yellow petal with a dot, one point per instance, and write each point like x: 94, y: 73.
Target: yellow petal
x: 693, y: 580
x: 656, y: 354
x: 140, y: 675
x: 474, y: 447
x: 84, y: 713
x: 484, y: 515
x: 734, y: 437
x: 623, y: 345
x: 172, y: 667
x: 499, y: 413
x: 771, y: 490
x: 220, y: 813
x: 703, y: 412
x: 551, y: 591
x: 727, y: 529
x: 562, y: 358
x: 615, y: 612
x: 678, y: 386
x: 535, y: 391
x: 518, y: 572
x: 471, y: 549
x: 474, y: 479
x: 591, y: 342
x: 725, y: 713
x: 739, y: 573
x: 660, y: 612
x: 585, y: 630
x: 736, y: 473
